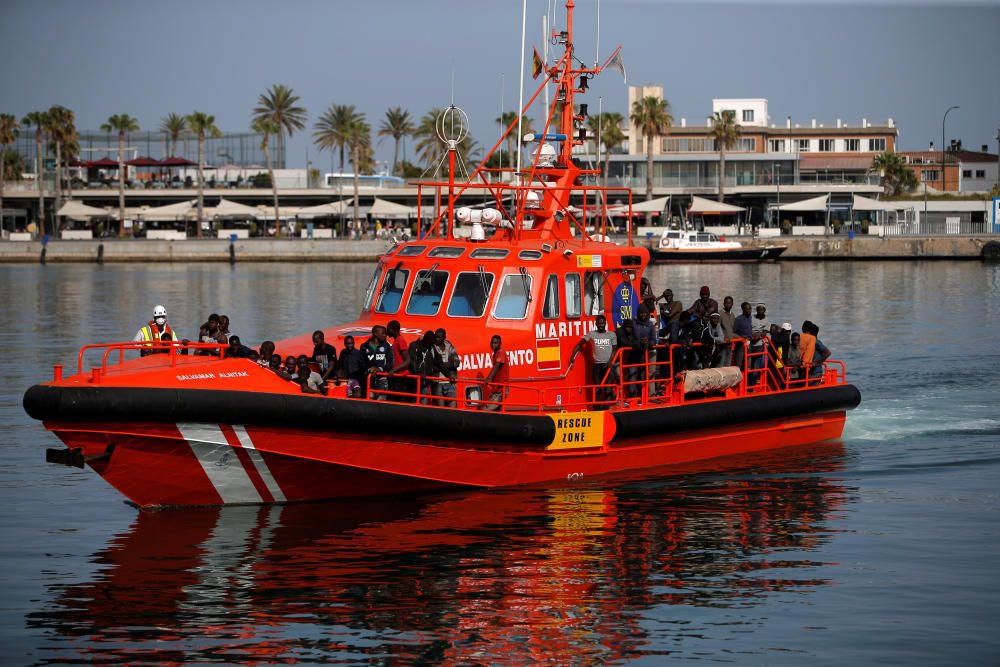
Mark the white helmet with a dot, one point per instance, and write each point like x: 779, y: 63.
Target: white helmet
x: 159, y: 311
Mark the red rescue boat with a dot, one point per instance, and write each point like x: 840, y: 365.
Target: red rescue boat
x: 183, y: 429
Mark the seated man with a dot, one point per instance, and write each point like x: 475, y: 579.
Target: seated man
x: 308, y: 379
x: 237, y: 349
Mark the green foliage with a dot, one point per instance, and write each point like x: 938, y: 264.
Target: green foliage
x: 409, y: 170
x: 331, y: 130
x: 13, y: 166
x: 279, y: 105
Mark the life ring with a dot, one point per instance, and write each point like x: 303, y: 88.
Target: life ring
x: 991, y: 251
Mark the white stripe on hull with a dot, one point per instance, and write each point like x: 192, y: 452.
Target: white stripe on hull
x: 259, y: 463
x: 220, y: 463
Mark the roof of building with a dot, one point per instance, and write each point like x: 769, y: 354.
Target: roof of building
x: 702, y: 130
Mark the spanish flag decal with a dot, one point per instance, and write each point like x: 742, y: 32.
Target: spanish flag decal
x: 547, y: 353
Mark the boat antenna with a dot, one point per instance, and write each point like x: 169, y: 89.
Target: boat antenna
x: 520, y: 97
x: 597, y: 49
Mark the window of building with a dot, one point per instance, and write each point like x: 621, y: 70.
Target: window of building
x: 593, y: 293
x: 929, y: 175
x: 803, y: 145
x: 550, y: 306
x: 826, y: 145
x: 876, y: 145
x: 573, y: 295
x: 512, y: 304
x: 776, y: 145
x: 748, y: 115
x: 392, y: 291
x: 966, y: 173
x: 747, y: 144
x: 425, y: 299
x: 472, y: 291
x: 980, y: 173
x: 853, y: 145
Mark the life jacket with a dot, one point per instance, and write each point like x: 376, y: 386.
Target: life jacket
x: 151, y: 332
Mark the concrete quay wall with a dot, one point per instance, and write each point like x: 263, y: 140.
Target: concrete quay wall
x: 297, y: 250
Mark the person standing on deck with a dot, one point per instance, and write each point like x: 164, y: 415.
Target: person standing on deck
x: 603, y: 344
x: 155, y: 331
x: 495, y: 382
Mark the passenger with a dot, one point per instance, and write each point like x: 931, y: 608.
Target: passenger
x: 705, y: 305
x: 807, y: 347
x: 727, y: 318
x: 794, y: 360
x: 757, y: 340
x: 645, y: 290
x: 696, y: 344
x: 266, y: 352
x: 224, y: 332
x: 646, y: 331
x: 209, y: 332
x: 743, y: 328
x: 155, y: 333
x: 670, y: 316
x: 237, y: 349
x: 378, y: 358
x: 350, y: 366
x: 782, y: 340
x: 254, y: 356
x: 821, y: 355
x: 633, y: 353
x: 324, y: 355
x: 448, y: 362
x: 401, y: 347
x: 719, y: 340
x: 290, y: 365
x: 494, y: 383
x: 602, y: 343
x: 274, y: 363
x: 307, y: 378
x: 423, y: 366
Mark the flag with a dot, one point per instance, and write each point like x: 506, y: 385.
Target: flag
x: 623, y: 304
x: 536, y: 64
x: 616, y: 62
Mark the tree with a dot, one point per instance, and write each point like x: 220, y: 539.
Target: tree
x: 431, y: 149
x: 9, y: 131
x: 397, y: 124
x: 39, y: 120
x: 331, y: 130
x: 278, y: 105
x: 173, y: 125
x: 265, y: 127
x: 13, y: 166
x: 896, y: 176
x: 62, y: 132
x: 651, y: 116
x: 202, y: 124
x: 607, y: 127
x: 358, y: 138
x: 725, y: 132
x: 121, y: 123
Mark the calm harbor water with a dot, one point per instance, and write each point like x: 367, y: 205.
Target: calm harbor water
x: 879, y: 549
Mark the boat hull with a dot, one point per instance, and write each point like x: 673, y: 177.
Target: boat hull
x: 707, y: 256
x: 155, y: 463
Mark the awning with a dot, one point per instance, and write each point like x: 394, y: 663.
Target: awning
x: 103, y: 163
x: 169, y: 212
x: 387, y: 209
x: 177, y: 162
x: 326, y: 210
x: 817, y: 162
x: 866, y: 204
x: 143, y: 161
x: 703, y: 206
x: 652, y: 206
x: 231, y: 209
x: 815, y: 204
x: 79, y: 211
x: 267, y: 212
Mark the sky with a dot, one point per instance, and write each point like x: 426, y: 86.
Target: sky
x: 894, y: 59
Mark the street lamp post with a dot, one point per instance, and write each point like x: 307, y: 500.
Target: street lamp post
x: 777, y: 182
x: 950, y: 109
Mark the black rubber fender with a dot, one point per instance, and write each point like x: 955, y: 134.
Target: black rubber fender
x: 991, y: 251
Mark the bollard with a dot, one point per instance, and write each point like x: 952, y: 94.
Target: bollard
x: 100, y: 253
x: 95, y: 375
x: 232, y: 249
x: 57, y: 373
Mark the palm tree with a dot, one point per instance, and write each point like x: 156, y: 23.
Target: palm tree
x: 173, y: 125
x: 62, y: 132
x: 358, y: 137
x: 265, y: 127
x: 332, y: 128
x: 651, y: 116
x: 430, y: 149
x: 397, y: 124
x: 121, y: 123
x: 202, y: 124
x: 278, y: 104
x: 896, y: 176
x: 9, y: 130
x: 38, y: 119
x: 726, y: 133
x: 607, y: 127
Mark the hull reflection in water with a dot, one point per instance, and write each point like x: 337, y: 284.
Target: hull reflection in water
x: 517, y: 576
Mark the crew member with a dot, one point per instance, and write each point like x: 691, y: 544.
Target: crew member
x: 155, y: 331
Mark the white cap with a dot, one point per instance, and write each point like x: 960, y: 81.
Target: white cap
x: 786, y: 326
x: 159, y: 311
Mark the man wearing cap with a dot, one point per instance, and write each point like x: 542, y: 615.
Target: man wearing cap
x: 155, y: 331
x: 719, y: 340
x: 670, y: 315
x: 760, y: 331
x: 705, y: 305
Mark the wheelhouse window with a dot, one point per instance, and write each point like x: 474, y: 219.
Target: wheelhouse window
x: 428, y: 287
x: 573, y: 296
x: 489, y: 253
x: 530, y: 254
x: 411, y: 250
x: 550, y: 306
x: 448, y: 252
x: 370, y: 291
x: 512, y: 303
x: 472, y: 291
x: 391, y: 294
x: 593, y: 293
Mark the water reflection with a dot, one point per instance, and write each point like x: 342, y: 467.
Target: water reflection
x: 517, y: 576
